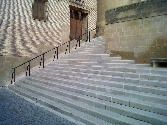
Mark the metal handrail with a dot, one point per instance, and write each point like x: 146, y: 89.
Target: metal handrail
x: 43, y: 55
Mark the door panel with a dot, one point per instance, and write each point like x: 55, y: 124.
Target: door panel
x: 79, y: 28
x: 72, y: 28
x: 76, y: 24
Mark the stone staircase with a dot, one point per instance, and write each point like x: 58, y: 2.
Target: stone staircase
x: 89, y: 87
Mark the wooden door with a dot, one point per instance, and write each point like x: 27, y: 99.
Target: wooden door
x: 75, y: 25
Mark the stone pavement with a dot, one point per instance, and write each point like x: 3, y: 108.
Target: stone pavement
x: 15, y: 110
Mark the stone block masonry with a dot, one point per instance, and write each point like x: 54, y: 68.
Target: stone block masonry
x: 139, y: 39
x: 136, y: 11
x: 102, y: 7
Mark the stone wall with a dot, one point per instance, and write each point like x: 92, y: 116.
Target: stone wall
x: 139, y: 38
x: 22, y: 38
x: 102, y: 7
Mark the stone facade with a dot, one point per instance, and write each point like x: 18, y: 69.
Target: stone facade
x: 22, y: 38
x: 102, y: 7
x: 139, y: 38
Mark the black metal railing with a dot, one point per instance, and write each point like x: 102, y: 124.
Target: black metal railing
x: 55, y: 56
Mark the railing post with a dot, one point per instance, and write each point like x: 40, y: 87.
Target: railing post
x: 29, y: 68
x: 89, y: 36
x: 12, y: 77
x: 43, y: 60
x: 14, y: 74
x: 57, y: 53
x: 69, y: 46
x: 79, y: 41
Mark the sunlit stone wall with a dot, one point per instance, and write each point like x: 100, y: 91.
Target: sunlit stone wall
x: 22, y: 38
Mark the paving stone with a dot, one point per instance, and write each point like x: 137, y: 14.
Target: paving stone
x: 16, y: 110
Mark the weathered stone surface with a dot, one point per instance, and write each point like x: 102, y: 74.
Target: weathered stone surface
x: 22, y: 111
x: 143, y: 39
x: 136, y: 11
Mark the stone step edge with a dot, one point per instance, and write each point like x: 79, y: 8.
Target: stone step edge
x: 10, y: 88
x: 59, y: 109
x: 142, y: 88
x: 125, y: 100
x: 129, y: 73
x: 151, y: 69
x: 122, y: 68
x: 119, y: 69
x: 158, y: 97
x: 72, y: 94
x: 83, y: 70
x: 88, y: 108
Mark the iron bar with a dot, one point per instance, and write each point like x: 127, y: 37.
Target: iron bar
x: 29, y: 68
x: 43, y: 61
x: 14, y: 74
x: 89, y: 36
x: 57, y: 53
x: 69, y: 46
x: 79, y: 41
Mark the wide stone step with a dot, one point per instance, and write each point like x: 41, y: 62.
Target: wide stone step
x: 111, y: 61
x: 141, y: 103
x: 123, y: 61
x: 87, y: 46
x: 154, y: 77
x: 60, y: 107
x: 96, y: 66
x: 149, y: 76
x: 110, y: 71
x: 155, y: 83
x: 83, y: 107
x: 124, y: 77
x: 106, y: 59
x: 103, y: 64
x: 145, y: 70
x: 78, y: 55
x: 150, y: 70
x: 85, y: 57
x: 88, y: 51
x: 121, y: 109
x: 140, y: 95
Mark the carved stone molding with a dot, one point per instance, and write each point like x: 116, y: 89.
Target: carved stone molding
x: 78, y: 2
x: 75, y: 4
x: 145, y: 9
